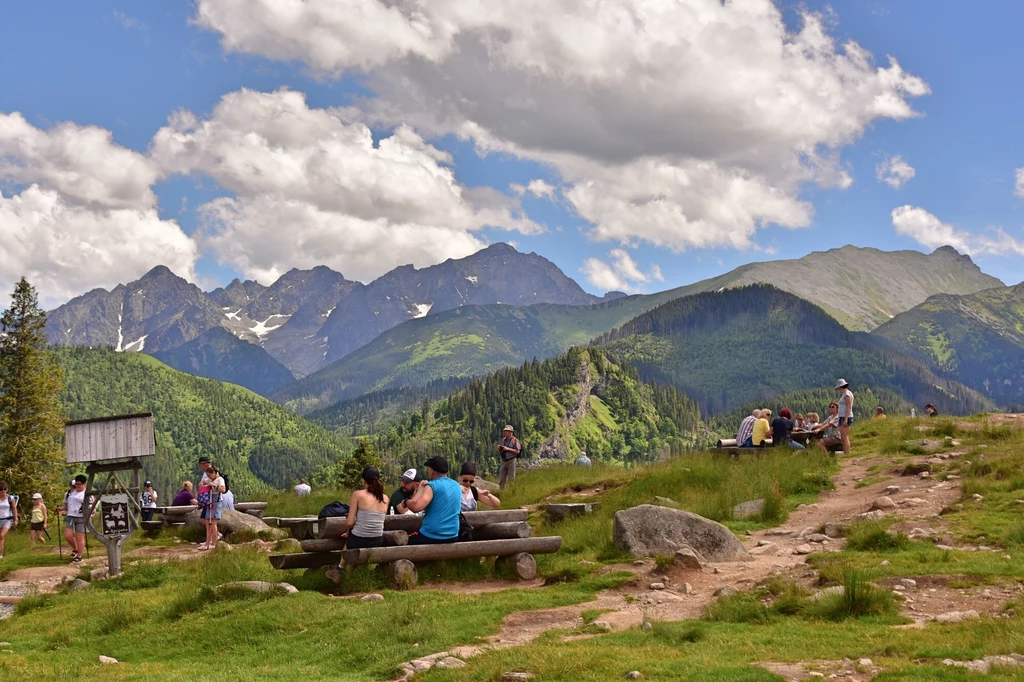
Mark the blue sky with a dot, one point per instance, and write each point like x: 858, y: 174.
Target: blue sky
x: 126, y: 67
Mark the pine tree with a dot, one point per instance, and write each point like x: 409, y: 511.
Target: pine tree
x: 31, y: 415
x: 351, y: 471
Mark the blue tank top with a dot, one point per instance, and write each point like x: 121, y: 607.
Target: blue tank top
x: 441, y: 519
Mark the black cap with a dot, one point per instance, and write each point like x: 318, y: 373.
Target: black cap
x: 468, y: 469
x: 371, y: 474
x: 204, y: 458
x: 438, y: 464
x: 149, y: 484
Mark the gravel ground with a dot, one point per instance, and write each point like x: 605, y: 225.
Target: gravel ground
x: 6, y: 611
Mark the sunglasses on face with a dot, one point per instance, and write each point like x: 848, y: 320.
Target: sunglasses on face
x: 468, y: 479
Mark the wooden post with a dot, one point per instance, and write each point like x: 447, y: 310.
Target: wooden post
x: 308, y: 560
x: 402, y: 574
x: 522, y: 564
x: 455, y: 550
x: 392, y: 538
x: 502, y: 531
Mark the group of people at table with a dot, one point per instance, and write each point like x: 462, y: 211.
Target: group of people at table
x: 436, y: 497
x: 785, y: 430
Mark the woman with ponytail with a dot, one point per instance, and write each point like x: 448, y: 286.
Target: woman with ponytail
x: 366, y: 512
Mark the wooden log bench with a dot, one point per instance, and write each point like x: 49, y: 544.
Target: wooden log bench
x: 560, y: 512
x: 334, y: 526
x: 400, y: 562
x: 251, y: 508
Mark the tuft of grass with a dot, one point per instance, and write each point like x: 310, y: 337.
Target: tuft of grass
x: 858, y: 599
x: 874, y: 536
x: 679, y: 633
x: 119, y: 614
x: 742, y: 607
x: 144, y: 576
x: 774, y: 510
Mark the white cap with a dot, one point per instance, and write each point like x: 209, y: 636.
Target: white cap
x: 841, y: 384
x: 37, y: 496
x: 409, y: 476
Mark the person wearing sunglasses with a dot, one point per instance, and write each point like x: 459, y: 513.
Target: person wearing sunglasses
x: 473, y: 497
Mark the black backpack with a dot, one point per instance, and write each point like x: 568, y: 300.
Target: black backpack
x: 333, y: 509
x: 465, y: 530
x: 227, y: 482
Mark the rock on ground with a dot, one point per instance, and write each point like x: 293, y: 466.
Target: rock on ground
x: 745, y: 510
x: 78, y: 584
x: 883, y: 503
x: 258, y: 586
x: 649, y: 530
x: 107, y: 660
x: 230, y: 522
x: 956, y: 616
x: 517, y: 677
x: 450, y: 662
x: 689, y: 558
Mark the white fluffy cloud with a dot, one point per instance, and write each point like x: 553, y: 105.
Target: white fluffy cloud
x: 1018, y: 188
x: 81, y: 162
x: 932, y: 233
x: 66, y: 249
x: 894, y: 171
x: 718, y: 104
x: 79, y: 212
x: 312, y: 189
x: 621, y: 274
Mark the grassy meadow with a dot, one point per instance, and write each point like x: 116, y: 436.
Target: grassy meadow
x: 167, y: 620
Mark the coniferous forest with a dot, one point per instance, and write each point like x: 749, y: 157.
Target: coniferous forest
x: 258, y: 443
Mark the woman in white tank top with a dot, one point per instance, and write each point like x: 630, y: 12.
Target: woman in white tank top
x: 366, y: 510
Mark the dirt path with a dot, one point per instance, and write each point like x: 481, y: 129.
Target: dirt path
x: 774, y: 551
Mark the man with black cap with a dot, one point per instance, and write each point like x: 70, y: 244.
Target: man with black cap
x: 411, y: 480
x: 509, y: 450
x: 440, y: 498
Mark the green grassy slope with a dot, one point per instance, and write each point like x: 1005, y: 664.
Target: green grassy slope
x: 976, y: 339
x: 257, y: 442
x: 742, y: 345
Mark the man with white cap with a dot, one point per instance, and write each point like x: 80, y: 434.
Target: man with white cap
x: 509, y: 450
x: 411, y: 480
x: 845, y: 413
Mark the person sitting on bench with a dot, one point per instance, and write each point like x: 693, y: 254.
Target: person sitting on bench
x: 473, y: 497
x: 366, y: 511
x: 440, y: 498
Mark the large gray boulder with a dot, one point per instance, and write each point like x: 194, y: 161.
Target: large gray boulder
x: 230, y: 522
x: 650, y: 530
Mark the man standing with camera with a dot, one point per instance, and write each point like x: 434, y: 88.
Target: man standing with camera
x: 509, y: 450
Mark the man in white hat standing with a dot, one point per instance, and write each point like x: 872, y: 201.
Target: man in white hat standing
x: 845, y: 413
x: 509, y: 450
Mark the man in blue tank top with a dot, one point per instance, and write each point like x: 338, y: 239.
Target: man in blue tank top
x: 440, y: 498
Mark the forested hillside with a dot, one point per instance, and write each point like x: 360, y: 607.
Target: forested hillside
x: 257, y: 442
x: 730, y: 348
x: 584, y: 399
x: 976, y: 339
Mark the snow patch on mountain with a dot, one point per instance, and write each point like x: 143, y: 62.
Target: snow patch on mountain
x: 141, y: 343
x: 261, y: 329
x: 422, y: 309
x: 234, y: 315
x: 120, y: 329
x: 472, y: 279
